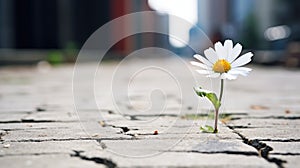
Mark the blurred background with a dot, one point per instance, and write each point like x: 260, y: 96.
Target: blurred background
x: 54, y: 30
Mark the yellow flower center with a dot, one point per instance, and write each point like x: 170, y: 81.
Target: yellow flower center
x: 221, y: 66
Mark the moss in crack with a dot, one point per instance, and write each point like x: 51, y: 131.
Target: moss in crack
x: 224, y: 117
x: 203, y: 116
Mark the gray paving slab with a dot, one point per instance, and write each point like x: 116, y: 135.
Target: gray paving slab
x: 49, y: 160
x: 291, y: 161
x: 184, y: 159
x: 42, y: 126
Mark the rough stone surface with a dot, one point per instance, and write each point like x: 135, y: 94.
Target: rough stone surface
x: 44, y: 122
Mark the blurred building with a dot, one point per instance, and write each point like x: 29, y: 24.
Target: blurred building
x: 60, y: 24
x: 49, y: 23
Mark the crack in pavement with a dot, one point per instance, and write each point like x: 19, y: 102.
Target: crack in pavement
x: 34, y: 154
x: 33, y: 121
x: 280, y: 117
x: 269, y: 117
x: 181, y: 116
x: 152, y: 115
x: 31, y: 128
x: 108, y: 163
x: 262, y: 148
x: 26, y: 121
x: 51, y: 139
x: 217, y: 152
x: 242, y: 127
x: 285, y: 154
x: 280, y: 140
x: 123, y: 128
x: 67, y: 139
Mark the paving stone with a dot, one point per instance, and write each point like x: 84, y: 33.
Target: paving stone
x: 223, y: 145
x: 11, y: 116
x: 265, y: 123
x: 39, y: 126
x: 52, y: 116
x: 48, y: 147
x: 49, y: 161
x: 291, y: 161
x: 271, y: 133
x: 48, y: 131
x: 184, y: 159
x: 284, y: 147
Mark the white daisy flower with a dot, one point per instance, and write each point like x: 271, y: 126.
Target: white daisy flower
x: 223, y: 61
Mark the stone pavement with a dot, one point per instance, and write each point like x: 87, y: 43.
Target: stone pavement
x: 41, y: 127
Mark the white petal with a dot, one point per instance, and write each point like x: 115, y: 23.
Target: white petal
x: 228, y: 45
x: 243, y: 69
x: 213, y: 75
x: 238, y: 72
x: 203, y: 60
x: 211, y: 55
x: 228, y: 76
x: 220, y: 50
x: 242, y: 60
x: 205, y: 72
x: 199, y: 64
x: 237, y: 49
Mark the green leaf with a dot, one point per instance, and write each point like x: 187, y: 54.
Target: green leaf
x: 207, y: 129
x: 212, y: 97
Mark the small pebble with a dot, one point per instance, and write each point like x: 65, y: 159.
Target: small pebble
x: 102, y: 123
x: 95, y: 135
x: 259, y: 107
x: 6, y: 145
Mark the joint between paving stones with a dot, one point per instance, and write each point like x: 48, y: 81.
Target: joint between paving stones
x: 262, y: 148
x: 107, y: 162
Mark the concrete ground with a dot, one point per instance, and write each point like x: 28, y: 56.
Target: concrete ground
x: 145, y: 119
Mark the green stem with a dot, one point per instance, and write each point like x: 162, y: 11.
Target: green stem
x: 221, y: 90
x: 217, y: 110
x: 216, y: 121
